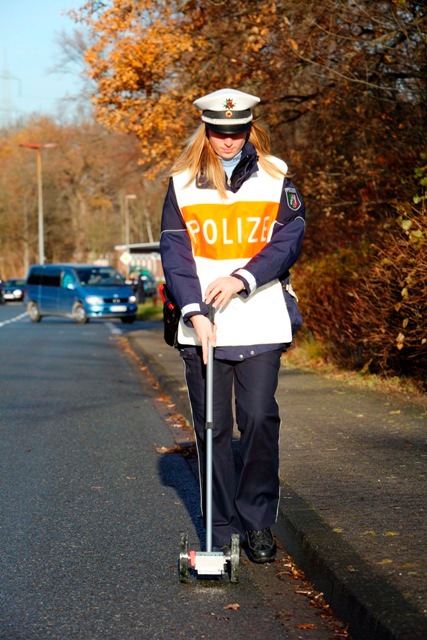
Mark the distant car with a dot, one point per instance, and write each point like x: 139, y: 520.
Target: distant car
x: 14, y: 290
x: 149, y: 283
x: 144, y: 284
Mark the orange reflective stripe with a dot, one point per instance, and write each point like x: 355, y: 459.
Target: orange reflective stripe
x: 229, y: 231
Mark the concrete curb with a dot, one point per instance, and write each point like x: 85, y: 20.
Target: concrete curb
x: 358, y: 595
x: 372, y: 608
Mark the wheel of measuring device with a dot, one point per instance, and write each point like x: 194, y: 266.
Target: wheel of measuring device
x: 184, y: 575
x: 234, y: 558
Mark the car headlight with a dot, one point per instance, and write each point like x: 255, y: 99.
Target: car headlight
x: 132, y: 299
x: 94, y: 300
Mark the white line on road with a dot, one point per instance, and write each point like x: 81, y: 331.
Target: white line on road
x: 22, y: 315
x: 113, y: 328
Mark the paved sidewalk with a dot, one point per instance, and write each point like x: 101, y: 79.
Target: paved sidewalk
x: 353, y: 506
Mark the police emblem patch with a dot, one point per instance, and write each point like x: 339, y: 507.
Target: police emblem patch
x: 292, y: 198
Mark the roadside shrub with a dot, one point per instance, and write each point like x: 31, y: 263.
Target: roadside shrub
x: 367, y: 303
x: 325, y: 289
x: 390, y: 300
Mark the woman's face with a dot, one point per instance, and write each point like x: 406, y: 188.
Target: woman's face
x: 227, y: 145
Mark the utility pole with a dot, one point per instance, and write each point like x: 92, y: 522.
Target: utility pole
x: 128, y: 197
x: 38, y: 148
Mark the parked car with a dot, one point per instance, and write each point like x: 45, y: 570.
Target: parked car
x: 13, y: 290
x: 78, y: 291
x: 144, y: 284
x: 149, y: 283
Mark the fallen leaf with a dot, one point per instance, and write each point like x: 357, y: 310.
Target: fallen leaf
x: 308, y: 625
x: 390, y: 534
x: 162, y: 449
x: 174, y: 449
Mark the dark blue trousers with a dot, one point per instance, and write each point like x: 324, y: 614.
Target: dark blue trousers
x: 246, y: 486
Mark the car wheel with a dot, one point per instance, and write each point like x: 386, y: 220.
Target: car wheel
x: 79, y: 314
x: 128, y: 319
x: 33, y: 312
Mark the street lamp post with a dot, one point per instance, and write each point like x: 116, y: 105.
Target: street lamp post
x: 38, y: 148
x: 128, y: 197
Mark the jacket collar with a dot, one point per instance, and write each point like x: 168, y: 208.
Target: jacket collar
x: 246, y: 167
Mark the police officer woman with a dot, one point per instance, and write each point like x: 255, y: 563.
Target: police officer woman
x: 232, y: 227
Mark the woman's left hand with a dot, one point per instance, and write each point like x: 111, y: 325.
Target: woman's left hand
x: 221, y: 290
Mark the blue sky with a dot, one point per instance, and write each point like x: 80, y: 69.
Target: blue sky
x: 29, y: 30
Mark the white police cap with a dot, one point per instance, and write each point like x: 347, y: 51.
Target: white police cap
x: 227, y: 110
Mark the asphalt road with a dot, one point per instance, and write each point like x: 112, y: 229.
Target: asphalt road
x: 94, y: 499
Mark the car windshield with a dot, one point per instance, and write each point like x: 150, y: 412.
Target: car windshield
x: 99, y: 276
x: 15, y: 283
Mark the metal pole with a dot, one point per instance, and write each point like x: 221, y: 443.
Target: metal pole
x: 40, y: 199
x: 38, y: 147
x: 127, y: 233
x: 209, y: 437
x: 127, y: 223
x: 130, y: 196
x: 209, y: 428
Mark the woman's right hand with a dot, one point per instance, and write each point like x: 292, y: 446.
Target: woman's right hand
x: 206, y: 332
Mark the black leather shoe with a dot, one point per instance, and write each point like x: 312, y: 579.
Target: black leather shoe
x: 261, y: 546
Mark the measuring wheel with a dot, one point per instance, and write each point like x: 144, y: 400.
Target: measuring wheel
x: 184, y: 558
x: 234, y: 558
x: 209, y: 562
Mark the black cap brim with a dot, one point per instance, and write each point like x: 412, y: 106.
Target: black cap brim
x: 228, y: 127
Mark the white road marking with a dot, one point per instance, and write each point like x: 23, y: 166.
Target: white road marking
x: 22, y: 315
x: 114, y: 329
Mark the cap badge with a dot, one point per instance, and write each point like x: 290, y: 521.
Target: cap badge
x: 229, y: 104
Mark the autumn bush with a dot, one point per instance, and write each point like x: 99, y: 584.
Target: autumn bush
x: 390, y: 300
x: 367, y: 304
x: 324, y: 288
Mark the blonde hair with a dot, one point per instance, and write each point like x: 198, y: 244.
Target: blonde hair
x: 199, y: 158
